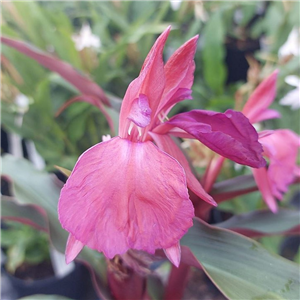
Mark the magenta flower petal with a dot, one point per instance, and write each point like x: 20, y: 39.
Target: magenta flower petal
x: 179, y: 95
x: 263, y: 183
x: 229, y: 134
x: 73, y: 248
x: 179, y: 74
x: 123, y: 195
x: 256, y: 108
x: 281, y: 148
x: 140, y: 111
x: 265, y: 115
x: 150, y: 82
x: 166, y: 143
x: 174, y: 254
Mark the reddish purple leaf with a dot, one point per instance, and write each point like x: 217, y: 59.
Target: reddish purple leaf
x: 65, y: 70
x: 93, y: 101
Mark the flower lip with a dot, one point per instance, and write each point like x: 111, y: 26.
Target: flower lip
x: 138, y: 118
x: 140, y: 113
x: 135, y: 207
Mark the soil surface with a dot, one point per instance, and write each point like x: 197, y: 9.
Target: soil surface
x: 200, y: 287
x: 34, y: 272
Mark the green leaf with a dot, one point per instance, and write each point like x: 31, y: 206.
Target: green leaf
x: 248, y: 11
x: 31, y: 186
x: 233, y: 187
x: 214, y: 53
x: 16, y: 256
x: 240, y: 267
x: 29, y: 214
x: 264, y: 221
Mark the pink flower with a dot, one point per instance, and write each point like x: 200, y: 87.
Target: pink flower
x: 256, y: 108
x: 128, y: 193
x: 280, y: 146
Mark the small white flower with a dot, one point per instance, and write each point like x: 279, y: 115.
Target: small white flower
x: 106, y: 138
x: 292, y: 44
x: 22, y: 103
x: 175, y: 4
x: 85, y: 38
x: 292, y: 98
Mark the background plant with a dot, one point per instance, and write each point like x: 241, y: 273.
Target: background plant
x: 233, y: 36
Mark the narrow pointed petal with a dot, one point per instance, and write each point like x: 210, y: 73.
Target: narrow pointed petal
x: 73, y: 248
x: 256, y: 108
x: 179, y: 95
x: 118, y: 197
x: 151, y: 83
x: 179, y: 71
x: 262, y: 181
x: 229, y: 134
x: 212, y: 171
x: 281, y: 148
x: 165, y: 143
x: 265, y: 115
x: 174, y: 254
x: 264, y: 133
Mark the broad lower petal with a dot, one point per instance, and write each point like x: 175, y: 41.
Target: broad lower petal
x: 256, y: 108
x: 229, y: 134
x: 165, y: 143
x: 123, y: 195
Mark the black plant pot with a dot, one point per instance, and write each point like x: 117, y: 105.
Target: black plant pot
x: 236, y: 62
x: 75, y: 285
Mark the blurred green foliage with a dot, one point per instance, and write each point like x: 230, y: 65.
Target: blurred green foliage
x: 23, y: 244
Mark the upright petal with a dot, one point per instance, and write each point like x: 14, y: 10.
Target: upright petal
x: 179, y: 72
x: 151, y: 83
x: 123, y: 195
x: 166, y: 143
x: 229, y: 134
x: 256, y: 108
